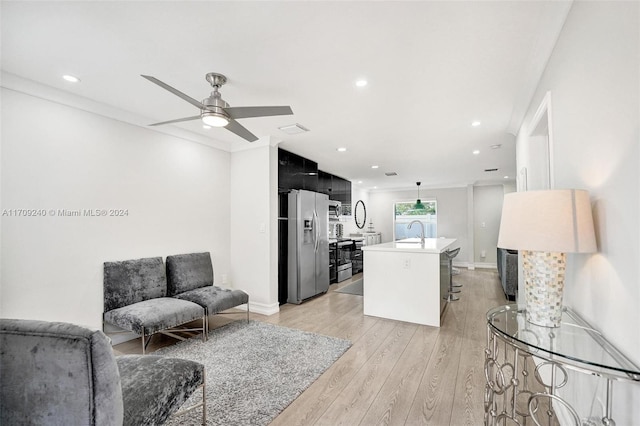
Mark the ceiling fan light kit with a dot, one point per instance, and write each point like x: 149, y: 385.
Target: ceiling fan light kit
x: 216, y: 112
x: 213, y: 119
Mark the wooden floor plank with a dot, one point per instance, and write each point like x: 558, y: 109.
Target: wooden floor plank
x: 468, y: 406
x: 314, y: 401
x: 434, y: 398
x: 395, y: 373
x: 394, y: 400
x: 353, y: 402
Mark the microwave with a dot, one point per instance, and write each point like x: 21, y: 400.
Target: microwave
x: 335, y: 210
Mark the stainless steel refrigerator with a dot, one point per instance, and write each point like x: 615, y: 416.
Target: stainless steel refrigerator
x: 308, y: 252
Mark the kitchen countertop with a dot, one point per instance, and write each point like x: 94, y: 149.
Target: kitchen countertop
x: 431, y: 245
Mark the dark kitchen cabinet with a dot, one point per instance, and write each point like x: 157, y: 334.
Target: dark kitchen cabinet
x: 296, y: 172
x: 324, y: 183
x: 310, y: 175
x: 336, y: 188
x: 341, y: 191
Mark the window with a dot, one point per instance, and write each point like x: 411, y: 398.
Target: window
x: 405, y: 212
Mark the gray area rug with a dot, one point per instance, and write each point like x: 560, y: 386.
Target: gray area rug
x: 254, y: 370
x: 356, y: 287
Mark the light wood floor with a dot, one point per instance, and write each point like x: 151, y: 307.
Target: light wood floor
x: 395, y: 373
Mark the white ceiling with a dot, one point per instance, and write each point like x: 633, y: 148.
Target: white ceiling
x: 432, y: 68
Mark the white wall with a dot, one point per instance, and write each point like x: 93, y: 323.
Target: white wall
x: 349, y: 222
x: 55, y: 157
x: 593, y: 76
x: 452, y: 214
x: 487, y: 208
x: 254, y: 225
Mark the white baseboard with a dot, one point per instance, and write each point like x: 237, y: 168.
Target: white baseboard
x: 485, y: 265
x: 462, y: 265
x: 471, y: 266
x: 118, y: 335
x: 262, y: 308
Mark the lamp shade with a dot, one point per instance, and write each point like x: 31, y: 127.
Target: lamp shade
x: 549, y: 221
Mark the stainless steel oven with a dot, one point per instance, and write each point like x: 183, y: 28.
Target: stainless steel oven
x: 344, y: 265
x: 333, y: 261
x: 357, y: 257
x: 335, y: 210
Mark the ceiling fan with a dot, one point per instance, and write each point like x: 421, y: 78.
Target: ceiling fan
x: 214, y: 111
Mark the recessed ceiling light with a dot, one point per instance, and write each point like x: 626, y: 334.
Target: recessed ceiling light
x: 374, y: 166
x: 476, y: 152
x: 204, y: 126
x: 361, y: 83
x: 375, y: 187
x: 341, y: 149
x: 71, y: 78
x: 476, y: 123
x: 359, y: 181
x: 506, y: 177
x: 496, y: 146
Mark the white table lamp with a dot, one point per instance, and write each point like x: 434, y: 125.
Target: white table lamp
x: 545, y: 225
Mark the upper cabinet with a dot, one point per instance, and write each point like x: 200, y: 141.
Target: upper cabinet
x: 341, y: 191
x: 324, y: 183
x: 296, y: 172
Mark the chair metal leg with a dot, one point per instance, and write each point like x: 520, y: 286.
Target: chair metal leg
x: 247, y: 311
x: 451, y: 298
x: 145, y: 342
x: 205, y: 326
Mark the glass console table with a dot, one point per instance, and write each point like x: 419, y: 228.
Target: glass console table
x: 520, y: 390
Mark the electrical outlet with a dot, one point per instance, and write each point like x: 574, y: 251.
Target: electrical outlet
x: 225, y: 279
x: 406, y: 264
x: 483, y: 253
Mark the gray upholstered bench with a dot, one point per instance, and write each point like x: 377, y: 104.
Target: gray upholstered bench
x: 135, y: 300
x: 190, y: 277
x: 56, y: 373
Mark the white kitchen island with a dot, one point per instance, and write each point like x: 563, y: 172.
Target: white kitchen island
x: 407, y: 281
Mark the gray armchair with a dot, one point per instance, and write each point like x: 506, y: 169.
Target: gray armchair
x: 56, y: 373
x: 190, y: 278
x: 135, y: 299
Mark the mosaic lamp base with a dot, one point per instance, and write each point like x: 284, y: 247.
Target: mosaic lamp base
x: 544, y: 285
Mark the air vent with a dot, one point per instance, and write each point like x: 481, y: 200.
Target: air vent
x: 490, y: 170
x: 391, y: 174
x: 293, y: 129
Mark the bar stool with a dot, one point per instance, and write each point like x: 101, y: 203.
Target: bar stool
x: 455, y: 271
x: 451, y: 297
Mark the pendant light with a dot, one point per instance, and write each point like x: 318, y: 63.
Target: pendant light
x: 419, y: 205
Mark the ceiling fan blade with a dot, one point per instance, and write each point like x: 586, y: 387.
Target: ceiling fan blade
x: 177, y: 120
x: 264, y: 111
x: 174, y: 91
x: 241, y: 131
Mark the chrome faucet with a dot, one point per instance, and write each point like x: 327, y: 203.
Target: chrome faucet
x: 421, y: 227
